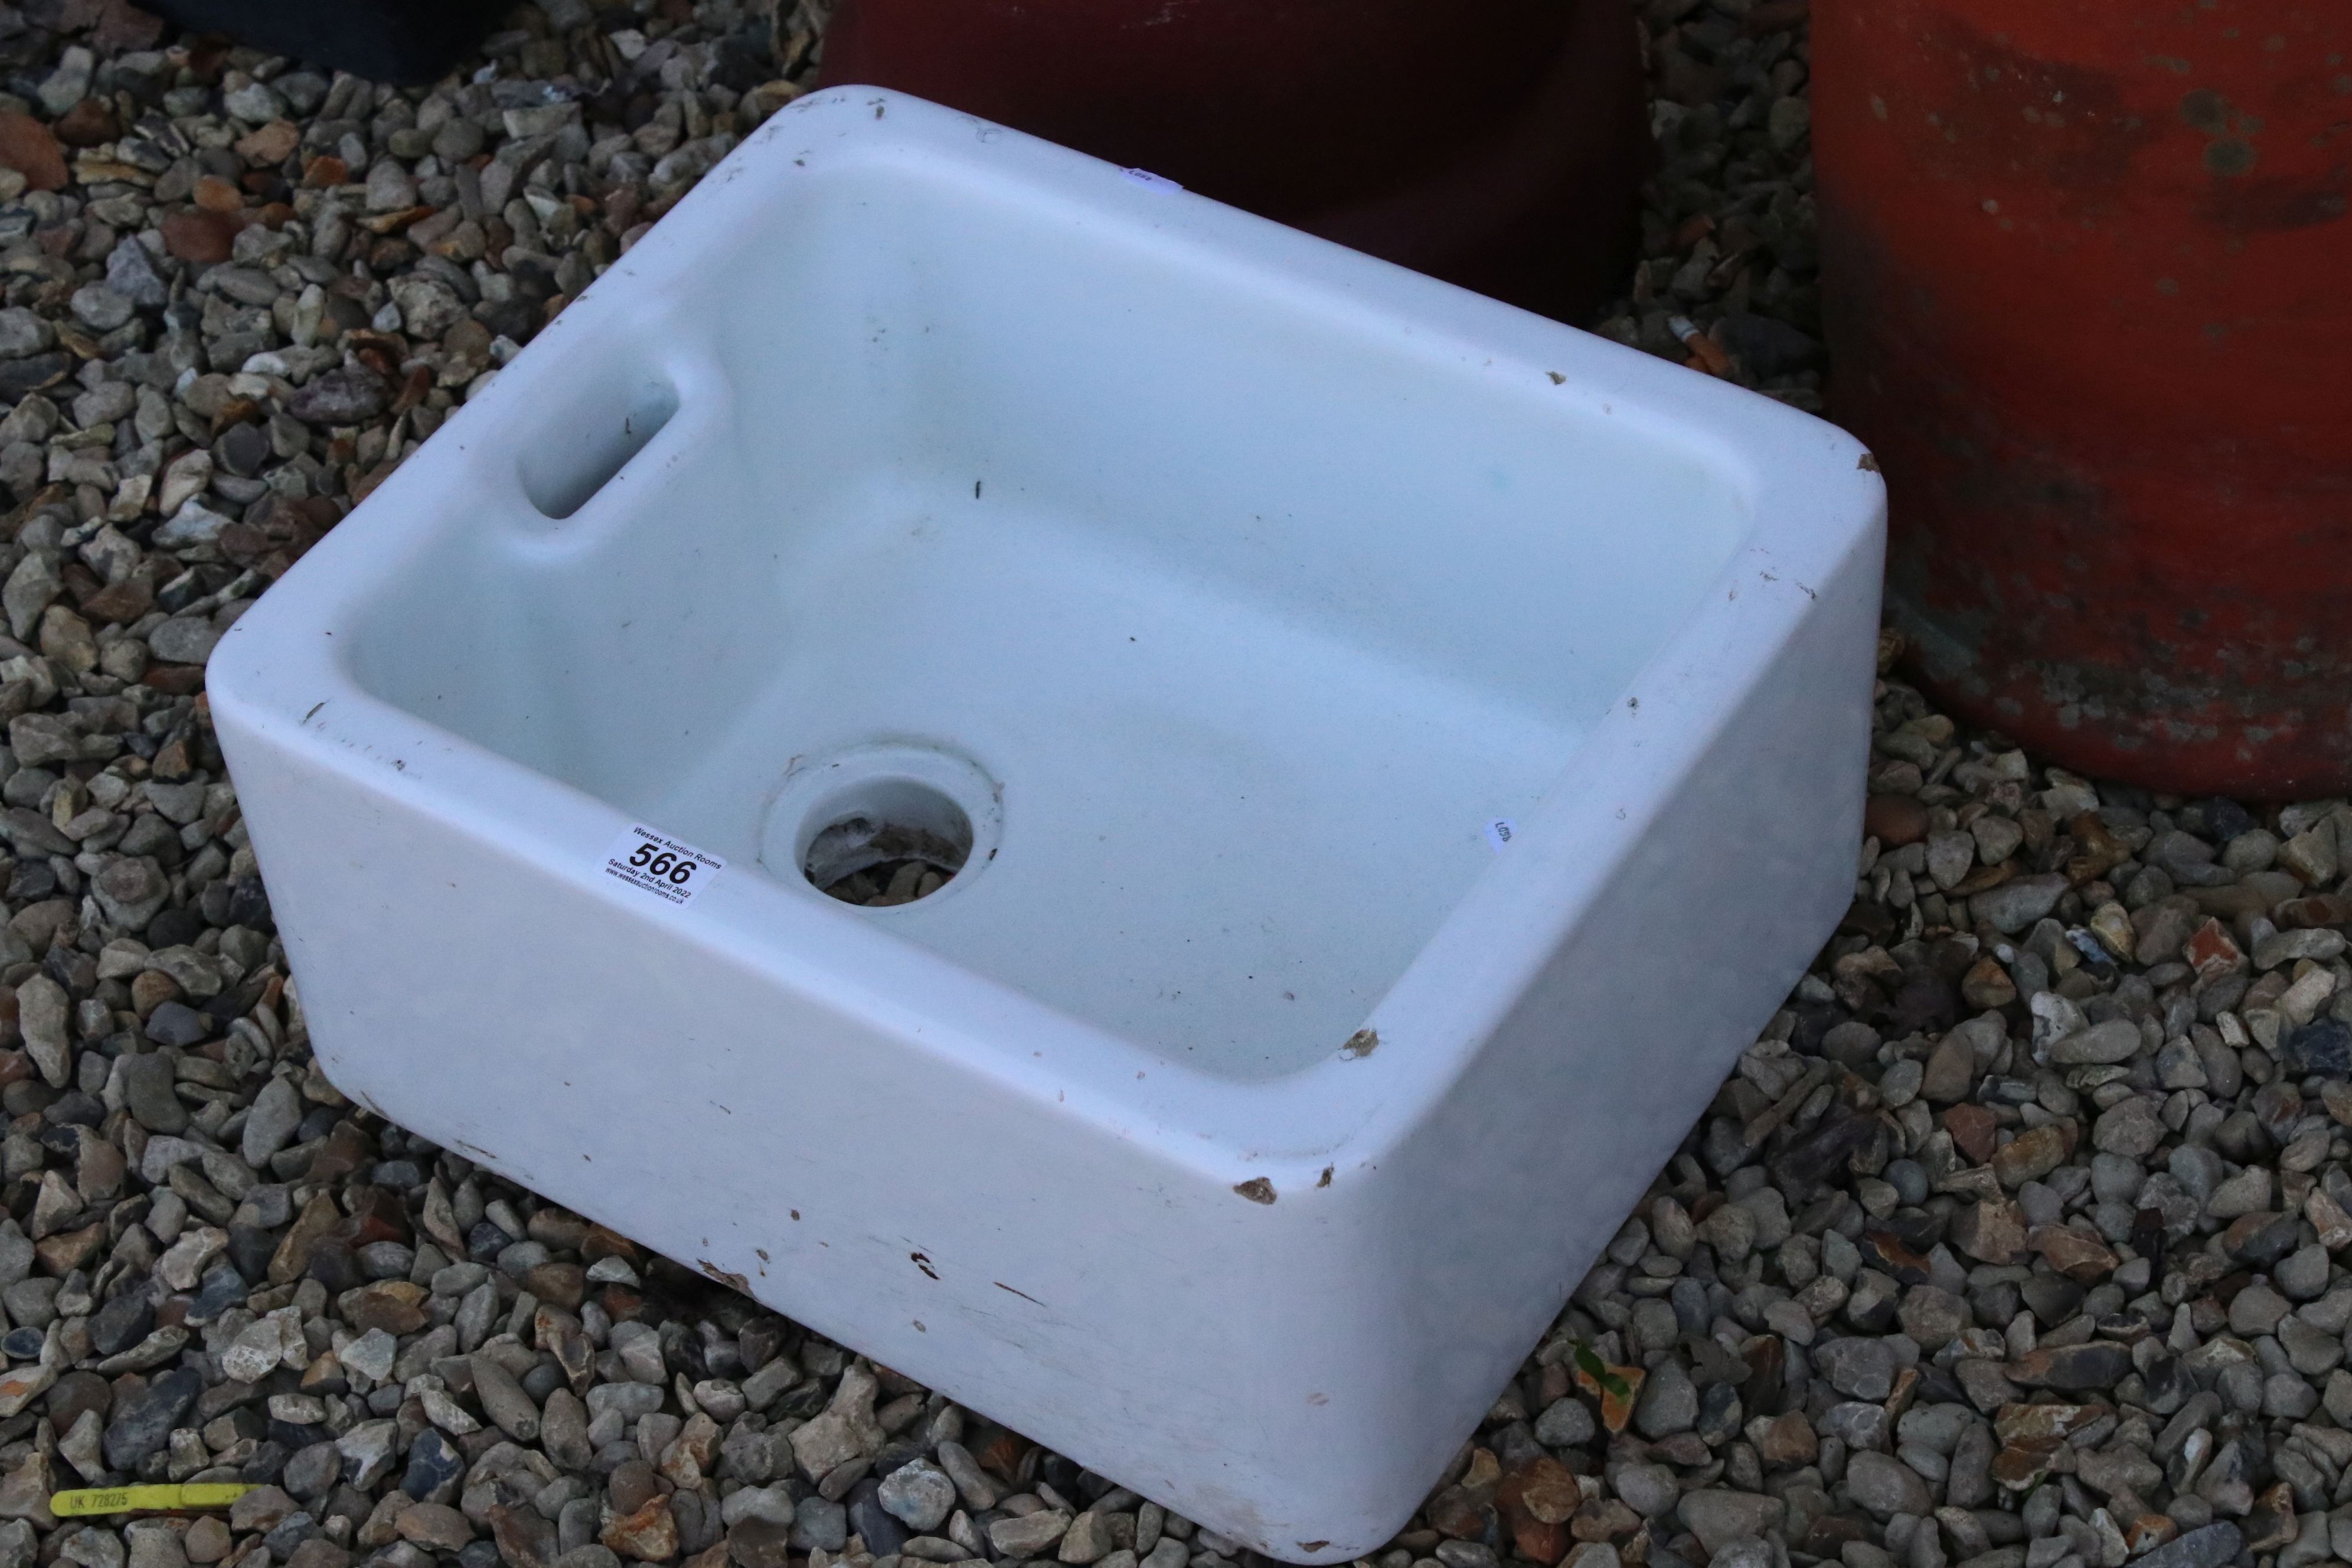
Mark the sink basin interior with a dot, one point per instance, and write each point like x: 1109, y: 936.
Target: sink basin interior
x: 1242, y: 618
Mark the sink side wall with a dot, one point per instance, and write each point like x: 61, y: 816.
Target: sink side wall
x: 607, y: 647
x: 1507, y: 1191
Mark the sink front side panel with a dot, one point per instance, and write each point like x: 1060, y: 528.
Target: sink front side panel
x: 1039, y: 1268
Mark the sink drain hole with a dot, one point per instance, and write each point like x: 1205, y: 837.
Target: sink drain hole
x: 884, y: 823
x: 886, y: 841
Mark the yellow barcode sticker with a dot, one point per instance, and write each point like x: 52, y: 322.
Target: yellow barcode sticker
x: 134, y: 1499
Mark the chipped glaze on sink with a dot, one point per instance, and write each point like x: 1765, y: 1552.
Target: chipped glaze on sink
x: 1247, y: 1105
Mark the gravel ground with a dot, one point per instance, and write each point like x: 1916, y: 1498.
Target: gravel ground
x: 2014, y: 1242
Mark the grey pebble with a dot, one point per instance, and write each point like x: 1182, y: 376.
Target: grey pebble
x: 1886, y: 1485
x: 2208, y: 1547
x: 918, y: 1493
x: 503, y: 1400
x: 1860, y: 1368
x: 147, y: 1089
x: 820, y: 1525
x: 1668, y: 1403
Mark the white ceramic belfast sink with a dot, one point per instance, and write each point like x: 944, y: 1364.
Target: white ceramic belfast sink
x: 1399, y: 749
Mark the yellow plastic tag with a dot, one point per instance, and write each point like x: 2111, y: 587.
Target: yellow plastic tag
x: 130, y: 1500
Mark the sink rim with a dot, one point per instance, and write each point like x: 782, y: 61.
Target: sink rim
x: 1812, y: 498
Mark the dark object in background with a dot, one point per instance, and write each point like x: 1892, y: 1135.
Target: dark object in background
x: 2083, y: 275
x: 1501, y: 150
x: 403, y: 41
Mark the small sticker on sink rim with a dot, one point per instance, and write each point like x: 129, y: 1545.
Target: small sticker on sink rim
x: 654, y: 862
